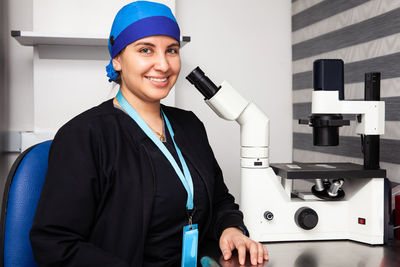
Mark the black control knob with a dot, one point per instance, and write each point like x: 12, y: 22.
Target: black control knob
x: 268, y: 215
x: 306, y: 218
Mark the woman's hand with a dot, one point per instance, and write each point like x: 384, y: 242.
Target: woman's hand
x: 232, y: 238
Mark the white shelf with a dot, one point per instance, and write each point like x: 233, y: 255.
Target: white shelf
x: 27, y: 38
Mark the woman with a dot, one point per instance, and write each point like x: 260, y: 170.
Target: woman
x: 125, y: 177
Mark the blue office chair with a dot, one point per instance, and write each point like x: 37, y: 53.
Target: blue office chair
x: 21, y: 195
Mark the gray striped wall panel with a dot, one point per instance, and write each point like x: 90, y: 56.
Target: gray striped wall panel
x: 389, y: 66
x: 380, y: 26
x: 349, y: 146
x: 371, y: 29
x: 321, y: 11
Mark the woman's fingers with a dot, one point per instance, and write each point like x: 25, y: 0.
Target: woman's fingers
x: 226, y: 249
x: 260, y: 251
x: 253, y: 250
x: 241, y: 248
x: 265, y: 253
x: 232, y: 238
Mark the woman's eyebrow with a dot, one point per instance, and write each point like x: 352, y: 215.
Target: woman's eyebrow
x: 153, y: 45
x: 174, y: 44
x: 144, y: 43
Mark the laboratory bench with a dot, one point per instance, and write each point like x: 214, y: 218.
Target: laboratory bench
x: 318, y: 254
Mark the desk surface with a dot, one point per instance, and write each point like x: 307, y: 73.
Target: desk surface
x: 321, y: 254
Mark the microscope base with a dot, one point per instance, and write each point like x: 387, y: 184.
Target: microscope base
x: 359, y: 216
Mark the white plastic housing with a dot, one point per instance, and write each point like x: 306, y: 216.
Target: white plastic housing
x: 254, y: 127
x: 372, y: 112
x: 262, y: 190
x: 228, y: 104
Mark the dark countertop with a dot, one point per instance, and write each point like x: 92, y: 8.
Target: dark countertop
x: 318, y: 254
x: 331, y: 170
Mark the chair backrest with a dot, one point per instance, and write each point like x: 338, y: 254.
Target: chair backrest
x: 21, y: 195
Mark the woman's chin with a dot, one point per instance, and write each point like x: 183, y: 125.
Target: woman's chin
x: 158, y: 97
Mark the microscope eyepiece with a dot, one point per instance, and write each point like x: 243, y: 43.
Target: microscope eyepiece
x: 195, y: 76
x: 206, y: 87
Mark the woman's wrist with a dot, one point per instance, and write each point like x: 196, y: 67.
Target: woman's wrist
x: 244, y: 230
x: 236, y: 229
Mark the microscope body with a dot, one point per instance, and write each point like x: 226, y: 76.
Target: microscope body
x: 273, y: 209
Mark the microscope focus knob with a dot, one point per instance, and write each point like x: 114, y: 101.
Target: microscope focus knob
x: 268, y: 215
x: 306, y: 218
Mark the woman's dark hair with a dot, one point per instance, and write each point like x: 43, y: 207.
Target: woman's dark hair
x: 118, y: 79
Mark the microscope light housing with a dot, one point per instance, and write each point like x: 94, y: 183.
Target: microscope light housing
x: 328, y: 75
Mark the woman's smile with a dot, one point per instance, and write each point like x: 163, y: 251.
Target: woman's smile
x: 158, y: 81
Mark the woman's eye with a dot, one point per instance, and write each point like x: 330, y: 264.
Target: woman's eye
x: 145, y: 50
x: 173, y: 51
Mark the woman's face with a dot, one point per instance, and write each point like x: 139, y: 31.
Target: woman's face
x: 149, y: 67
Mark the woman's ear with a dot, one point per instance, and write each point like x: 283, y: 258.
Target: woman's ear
x: 117, y: 63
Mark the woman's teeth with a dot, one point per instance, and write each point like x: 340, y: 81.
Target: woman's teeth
x: 157, y: 79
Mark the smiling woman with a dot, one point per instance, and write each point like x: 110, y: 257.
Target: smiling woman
x: 148, y: 68
x: 132, y: 182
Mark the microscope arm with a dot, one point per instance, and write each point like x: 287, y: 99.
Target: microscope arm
x: 372, y: 121
x: 228, y: 104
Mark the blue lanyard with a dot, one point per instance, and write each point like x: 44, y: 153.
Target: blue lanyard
x: 185, y: 177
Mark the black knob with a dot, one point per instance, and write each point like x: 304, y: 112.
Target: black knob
x: 306, y: 218
x: 268, y: 215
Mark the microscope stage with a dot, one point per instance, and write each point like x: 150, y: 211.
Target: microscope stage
x: 325, y: 170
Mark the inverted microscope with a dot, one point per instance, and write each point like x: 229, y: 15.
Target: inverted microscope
x: 346, y: 201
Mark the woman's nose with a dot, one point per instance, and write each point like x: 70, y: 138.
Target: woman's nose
x: 161, y: 63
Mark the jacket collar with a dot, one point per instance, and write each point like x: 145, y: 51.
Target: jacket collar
x: 181, y: 139
x: 181, y: 131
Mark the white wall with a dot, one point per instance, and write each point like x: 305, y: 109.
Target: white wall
x: 20, y: 67
x: 64, y: 87
x: 3, y: 85
x: 3, y: 70
x: 244, y: 42
x: 16, y: 80
x: 247, y: 43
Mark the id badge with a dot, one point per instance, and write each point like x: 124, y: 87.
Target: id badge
x: 189, y: 245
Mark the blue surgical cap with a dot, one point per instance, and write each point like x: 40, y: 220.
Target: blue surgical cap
x: 138, y: 20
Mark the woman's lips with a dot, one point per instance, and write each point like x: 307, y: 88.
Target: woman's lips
x: 158, y: 81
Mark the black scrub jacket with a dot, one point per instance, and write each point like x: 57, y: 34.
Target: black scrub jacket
x: 96, y: 204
